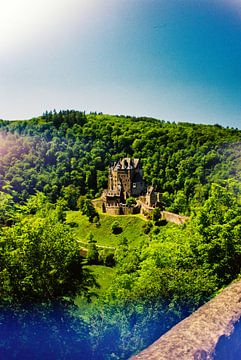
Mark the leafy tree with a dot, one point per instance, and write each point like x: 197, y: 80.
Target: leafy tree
x: 147, y: 227
x: 40, y: 260
x: 219, y: 224
x: 131, y: 201
x: 67, y: 154
x: 6, y: 208
x: 93, y: 253
x: 71, y: 194
x: 156, y: 214
x: 88, y: 209
x: 48, y: 162
x: 179, y: 204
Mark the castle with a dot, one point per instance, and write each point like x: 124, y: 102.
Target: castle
x: 124, y: 181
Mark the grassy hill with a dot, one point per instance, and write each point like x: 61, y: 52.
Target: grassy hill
x: 133, y: 231
x: 132, y: 226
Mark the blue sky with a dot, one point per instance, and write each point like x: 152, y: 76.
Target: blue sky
x: 177, y: 60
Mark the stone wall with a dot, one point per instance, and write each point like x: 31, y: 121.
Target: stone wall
x: 122, y: 210
x: 174, y: 218
x: 125, y: 210
x: 113, y: 210
x: 142, y: 207
x: 197, y: 337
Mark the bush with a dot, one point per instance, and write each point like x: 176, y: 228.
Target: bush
x: 156, y: 230
x: 147, y: 227
x: 96, y: 220
x: 106, y: 258
x: 92, y: 254
x: 116, y: 228
x: 131, y: 201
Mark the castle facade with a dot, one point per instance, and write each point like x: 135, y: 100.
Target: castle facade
x: 124, y: 181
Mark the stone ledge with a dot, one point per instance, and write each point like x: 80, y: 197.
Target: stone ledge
x: 196, y: 337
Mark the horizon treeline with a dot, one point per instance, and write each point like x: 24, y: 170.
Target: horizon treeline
x: 67, y: 154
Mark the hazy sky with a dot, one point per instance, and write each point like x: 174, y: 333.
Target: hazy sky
x: 177, y: 60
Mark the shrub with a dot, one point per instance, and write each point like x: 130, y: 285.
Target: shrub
x: 156, y: 215
x: 116, y: 228
x: 147, y: 227
x: 131, y: 201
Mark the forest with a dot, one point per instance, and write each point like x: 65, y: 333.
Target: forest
x: 140, y: 276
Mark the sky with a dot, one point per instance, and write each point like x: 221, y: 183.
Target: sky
x: 177, y: 60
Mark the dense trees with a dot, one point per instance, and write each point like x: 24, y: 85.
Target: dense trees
x: 219, y: 223
x: 39, y: 256
x: 60, y: 161
x: 6, y: 208
x: 67, y: 154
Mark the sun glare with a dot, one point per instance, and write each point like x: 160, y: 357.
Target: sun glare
x: 25, y: 22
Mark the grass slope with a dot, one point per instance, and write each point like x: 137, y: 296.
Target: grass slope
x: 104, y: 276
x: 132, y: 226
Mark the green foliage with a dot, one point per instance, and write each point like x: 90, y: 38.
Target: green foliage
x: 161, y: 274
x: 40, y: 258
x: 88, y: 209
x: 6, y: 208
x: 156, y: 283
x: 67, y: 155
x: 219, y: 223
x: 131, y: 201
x: 132, y: 228
x: 156, y: 230
x: 71, y: 194
x: 116, y: 228
x: 106, y: 258
x: 93, y: 253
x: 156, y: 214
x: 180, y: 203
x: 147, y: 227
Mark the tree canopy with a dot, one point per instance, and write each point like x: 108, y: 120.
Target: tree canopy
x: 67, y: 155
x: 58, y: 162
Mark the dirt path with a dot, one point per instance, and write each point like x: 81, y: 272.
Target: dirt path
x: 98, y: 246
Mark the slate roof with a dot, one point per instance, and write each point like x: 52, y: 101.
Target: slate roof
x: 126, y: 163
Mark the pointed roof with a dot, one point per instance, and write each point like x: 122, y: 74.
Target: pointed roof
x: 126, y: 163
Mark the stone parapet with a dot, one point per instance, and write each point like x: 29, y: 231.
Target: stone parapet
x: 197, y: 337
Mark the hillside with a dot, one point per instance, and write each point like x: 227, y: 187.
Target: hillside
x: 132, y: 229
x: 135, y: 283
x: 67, y: 154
